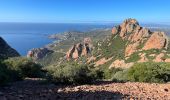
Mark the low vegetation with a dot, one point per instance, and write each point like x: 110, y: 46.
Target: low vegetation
x: 150, y: 72
x: 72, y: 73
x: 18, y: 68
x: 145, y: 72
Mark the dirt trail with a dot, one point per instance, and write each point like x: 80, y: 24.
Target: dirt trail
x: 35, y: 89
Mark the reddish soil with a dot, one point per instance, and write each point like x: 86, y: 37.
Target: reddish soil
x: 35, y: 89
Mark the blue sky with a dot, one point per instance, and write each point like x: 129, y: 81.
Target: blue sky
x: 75, y: 11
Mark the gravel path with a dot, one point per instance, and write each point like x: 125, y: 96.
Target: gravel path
x: 35, y: 89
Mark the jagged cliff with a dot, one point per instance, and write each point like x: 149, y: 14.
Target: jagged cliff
x: 6, y: 51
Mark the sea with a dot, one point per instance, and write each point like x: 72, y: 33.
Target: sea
x: 26, y: 36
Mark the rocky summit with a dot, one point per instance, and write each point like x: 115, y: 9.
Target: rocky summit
x: 137, y: 35
x: 6, y: 51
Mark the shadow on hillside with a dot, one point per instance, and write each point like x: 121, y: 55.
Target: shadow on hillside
x: 30, y: 89
x: 97, y: 95
x: 81, y: 95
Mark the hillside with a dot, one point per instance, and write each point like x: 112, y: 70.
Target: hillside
x: 131, y: 43
x: 6, y: 51
x: 64, y: 41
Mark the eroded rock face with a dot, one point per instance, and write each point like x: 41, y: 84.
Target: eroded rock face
x: 80, y: 49
x: 131, y: 48
x: 6, y: 51
x: 140, y: 34
x: 38, y: 53
x: 158, y: 40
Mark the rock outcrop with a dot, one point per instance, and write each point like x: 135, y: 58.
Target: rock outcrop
x: 139, y: 37
x: 128, y: 26
x: 38, y: 53
x: 158, y: 40
x: 80, y: 49
x: 6, y: 51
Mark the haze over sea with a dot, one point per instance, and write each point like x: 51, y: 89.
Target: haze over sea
x: 25, y: 36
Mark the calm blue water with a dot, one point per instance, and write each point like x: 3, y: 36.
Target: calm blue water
x: 25, y: 36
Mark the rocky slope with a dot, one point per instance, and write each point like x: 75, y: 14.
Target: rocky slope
x: 131, y: 43
x: 6, y: 51
x: 33, y: 89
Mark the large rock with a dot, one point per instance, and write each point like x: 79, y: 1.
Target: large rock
x: 80, y: 49
x: 38, y: 53
x: 6, y: 51
x: 158, y: 40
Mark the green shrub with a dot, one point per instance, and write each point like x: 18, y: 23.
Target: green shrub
x: 7, y: 75
x: 108, y: 73
x: 149, y: 72
x: 71, y: 73
x: 4, y: 77
x: 24, y: 67
x: 120, y: 76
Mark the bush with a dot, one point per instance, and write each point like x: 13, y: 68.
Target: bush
x: 107, y: 73
x: 120, y: 76
x: 72, y: 73
x: 7, y: 75
x: 24, y: 67
x: 149, y: 72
